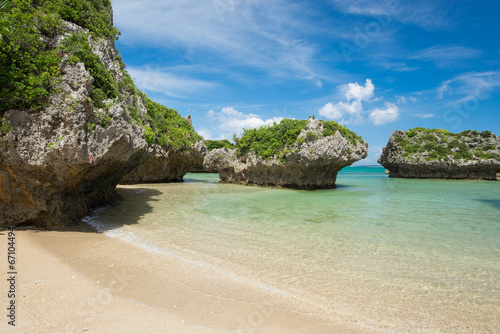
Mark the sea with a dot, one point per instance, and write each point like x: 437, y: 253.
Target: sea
x: 396, y: 255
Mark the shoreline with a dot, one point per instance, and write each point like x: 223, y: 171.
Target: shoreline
x: 82, y: 281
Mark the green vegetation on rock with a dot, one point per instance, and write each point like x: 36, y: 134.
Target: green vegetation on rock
x: 5, y: 126
x: 215, y: 144
x: 439, y: 144
x: 30, y: 66
x: 278, y: 138
x: 170, y: 129
x: 78, y: 48
x: 330, y: 127
x: 271, y: 140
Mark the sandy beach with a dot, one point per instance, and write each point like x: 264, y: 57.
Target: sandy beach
x: 80, y: 281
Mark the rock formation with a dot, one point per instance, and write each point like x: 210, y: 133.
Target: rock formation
x: 432, y: 153
x: 61, y: 157
x: 166, y: 165
x: 209, y: 145
x: 312, y: 162
x: 53, y: 168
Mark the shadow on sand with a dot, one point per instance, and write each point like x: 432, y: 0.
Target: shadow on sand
x: 129, y: 207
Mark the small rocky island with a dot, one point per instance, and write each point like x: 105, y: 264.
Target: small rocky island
x: 436, y: 153
x: 300, y: 154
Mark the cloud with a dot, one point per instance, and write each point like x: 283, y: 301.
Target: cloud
x: 425, y: 14
x: 352, y: 109
x: 341, y: 109
x: 159, y: 80
x: 441, y: 90
x: 387, y: 115
x: 331, y: 111
x: 396, y: 66
x: 360, y: 93
x: 206, y: 134
x: 424, y: 116
x: 230, y: 120
x: 405, y: 100
x: 263, y: 35
x: 469, y: 86
x: 446, y: 56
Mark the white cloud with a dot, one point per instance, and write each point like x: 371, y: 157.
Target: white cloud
x: 405, y: 100
x: 341, y: 109
x: 352, y: 108
x: 330, y: 111
x: 425, y: 116
x: 446, y: 56
x: 425, y: 14
x: 397, y: 66
x: 387, y: 115
x: 230, y: 120
x: 360, y: 93
x: 350, y: 111
x: 443, y: 89
x: 206, y: 134
x: 268, y: 35
x: 470, y: 86
x: 159, y: 80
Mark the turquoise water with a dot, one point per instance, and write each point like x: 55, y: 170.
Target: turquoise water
x: 399, y: 255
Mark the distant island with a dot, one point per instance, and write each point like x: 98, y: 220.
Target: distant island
x: 301, y: 154
x: 437, y: 153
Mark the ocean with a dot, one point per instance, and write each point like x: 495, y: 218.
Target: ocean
x: 397, y: 255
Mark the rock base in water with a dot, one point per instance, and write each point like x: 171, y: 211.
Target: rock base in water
x: 439, y: 154
x: 311, y: 163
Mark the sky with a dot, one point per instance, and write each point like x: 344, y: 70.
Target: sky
x: 373, y: 66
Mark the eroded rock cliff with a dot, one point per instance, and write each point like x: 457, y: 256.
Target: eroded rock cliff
x: 164, y: 165
x: 434, y: 153
x: 74, y: 125
x: 312, y: 161
x: 53, y: 167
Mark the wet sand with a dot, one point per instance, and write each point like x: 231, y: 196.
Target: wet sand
x: 86, y: 282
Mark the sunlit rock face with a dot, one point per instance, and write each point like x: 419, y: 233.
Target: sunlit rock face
x: 312, y: 163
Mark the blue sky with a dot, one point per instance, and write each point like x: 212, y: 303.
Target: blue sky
x: 374, y: 66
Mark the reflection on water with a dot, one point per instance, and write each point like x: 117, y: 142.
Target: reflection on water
x: 395, y: 254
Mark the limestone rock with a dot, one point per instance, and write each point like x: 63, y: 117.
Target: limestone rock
x: 423, y: 153
x: 310, y: 164
x: 61, y: 161
x: 165, y: 166
x: 53, y: 168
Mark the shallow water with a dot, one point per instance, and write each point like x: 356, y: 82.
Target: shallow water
x: 399, y: 255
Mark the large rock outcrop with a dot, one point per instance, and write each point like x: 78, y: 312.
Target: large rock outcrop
x: 166, y: 165
x: 65, y: 155
x: 433, y: 153
x: 53, y: 168
x: 312, y: 162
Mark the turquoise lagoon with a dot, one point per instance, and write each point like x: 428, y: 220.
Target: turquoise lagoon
x: 398, y: 255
